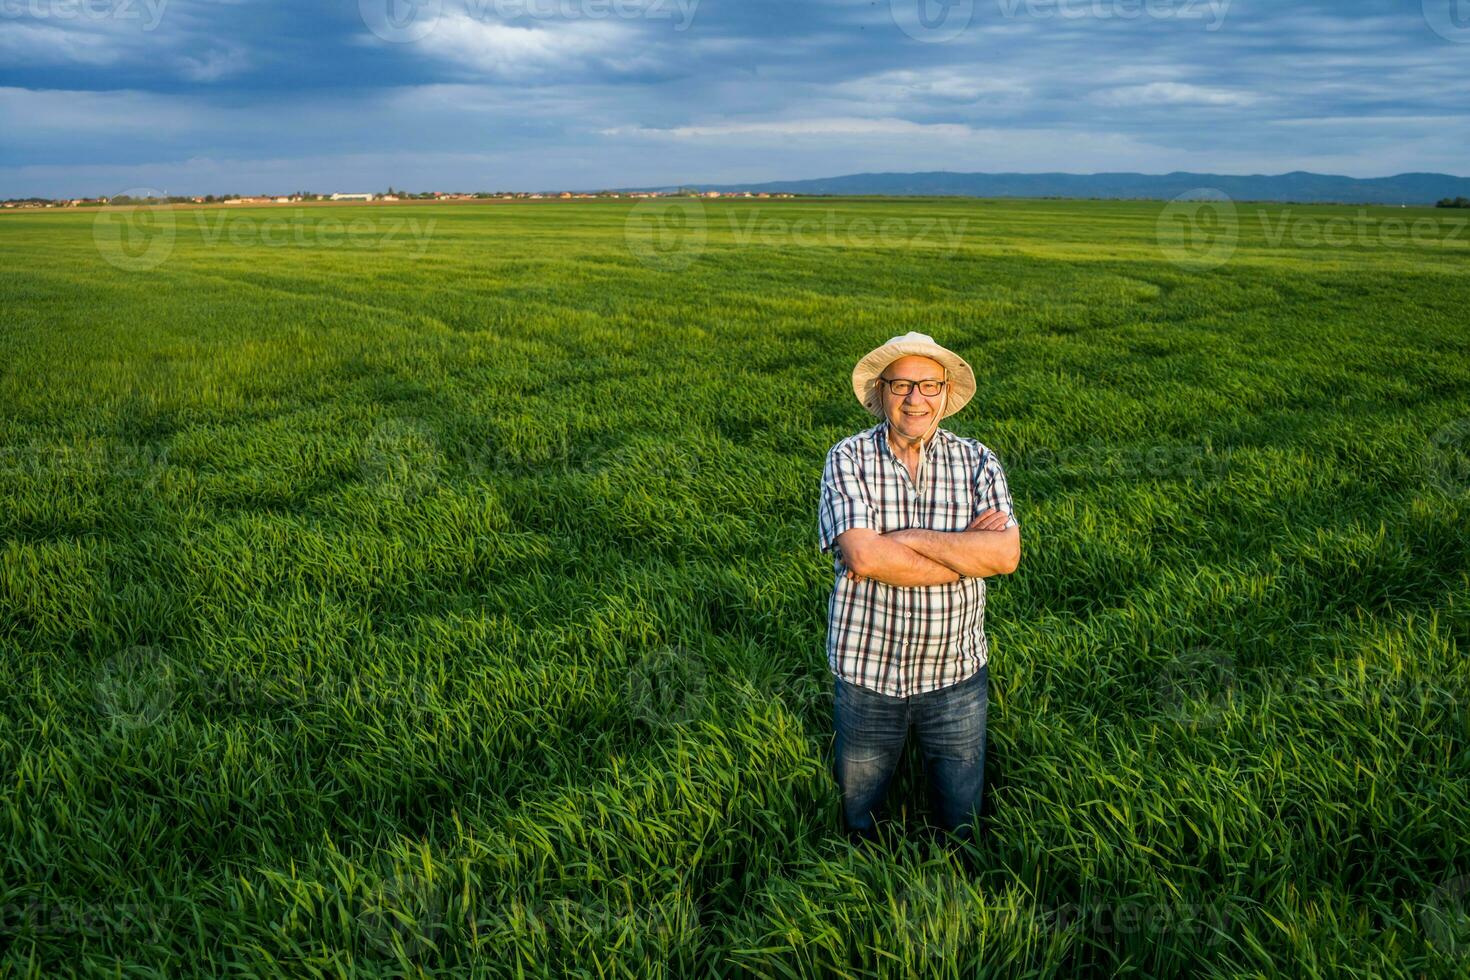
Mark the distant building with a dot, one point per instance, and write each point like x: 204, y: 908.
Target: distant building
x: 711, y: 193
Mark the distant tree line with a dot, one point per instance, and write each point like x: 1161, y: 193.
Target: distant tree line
x: 1454, y: 202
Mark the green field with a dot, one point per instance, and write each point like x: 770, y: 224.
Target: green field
x: 399, y: 589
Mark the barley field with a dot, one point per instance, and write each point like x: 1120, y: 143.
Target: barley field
x: 429, y: 590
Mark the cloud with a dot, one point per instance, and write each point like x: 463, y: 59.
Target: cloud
x: 1449, y: 123
x: 214, y: 65
x: 514, y: 53
x: 102, y: 38
x: 30, y: 114
x: 799, y: 127
x: 44, y: 44
x: 1173, y: 93
x: 947, y: 85
x: 539, y: 93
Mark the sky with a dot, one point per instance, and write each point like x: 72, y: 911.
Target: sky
x: 102, y: 97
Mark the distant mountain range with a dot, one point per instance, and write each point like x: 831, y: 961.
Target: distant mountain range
x: 1298, y: 186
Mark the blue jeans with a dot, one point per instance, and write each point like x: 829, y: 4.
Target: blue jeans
x: 871, y: 731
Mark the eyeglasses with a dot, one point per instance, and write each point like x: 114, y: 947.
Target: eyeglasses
x: 902, y: 386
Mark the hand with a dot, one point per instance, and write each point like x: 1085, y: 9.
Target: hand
x: 992, y: 520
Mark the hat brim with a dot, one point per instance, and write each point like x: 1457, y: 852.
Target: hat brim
x: 961, y: 386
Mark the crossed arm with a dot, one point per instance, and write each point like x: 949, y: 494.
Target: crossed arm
x: 915, y: 556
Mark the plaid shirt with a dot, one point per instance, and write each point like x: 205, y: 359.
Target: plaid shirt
x: 901, y: 640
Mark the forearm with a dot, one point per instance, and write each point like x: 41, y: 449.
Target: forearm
x: 974, y: 554
x: 893, y: 563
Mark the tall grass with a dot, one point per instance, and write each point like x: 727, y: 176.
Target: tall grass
x: 414, y: 606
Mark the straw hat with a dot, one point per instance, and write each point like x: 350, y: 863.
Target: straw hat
x: 957, y: 372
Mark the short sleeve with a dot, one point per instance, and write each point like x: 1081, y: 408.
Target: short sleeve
x: 844, y: 503
x: 991, y: 490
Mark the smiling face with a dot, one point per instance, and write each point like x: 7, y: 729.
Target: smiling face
x: 912, y: 415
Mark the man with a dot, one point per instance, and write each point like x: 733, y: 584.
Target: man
x: 915, y: 518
